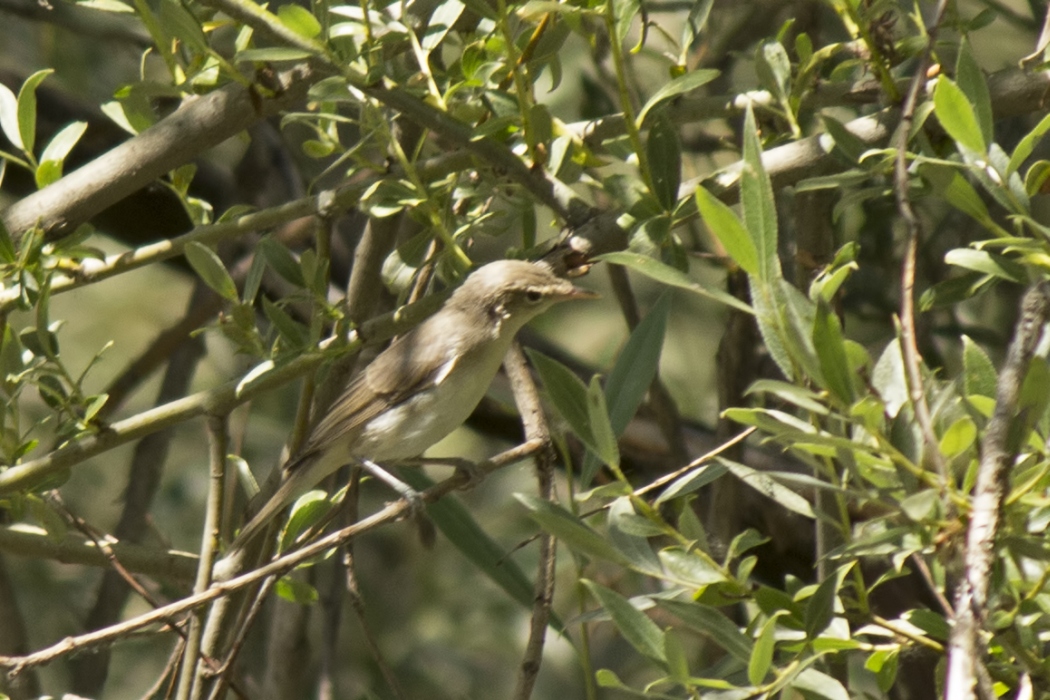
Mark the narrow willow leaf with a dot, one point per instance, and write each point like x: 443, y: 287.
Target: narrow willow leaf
x: 9, y: 116
x: 273, y: 53
x: 209, y: 267
x: 664, y: 151
x: 679, y: 86
x: 461, y: 528
x: 956, y: 115
x: 770, y: 488
x: 635, y: 626
x: 973, y: 84
x: 816, y: 685
x: 756, y: 197
x: 724, y: 224
x: 831, y: 352
x: 820, y: 608
x: 567, y: 393
x: 27, y: 109
x: 713, y: 624
x: 633, y: 374
x: 987, y: 263
x: 653, y: 268
x: 762, y: 653
x: 62, y: 143
x: 1024, y: 148
x: 601, y: 430
x: 441, y: 21
x: 570, y: 530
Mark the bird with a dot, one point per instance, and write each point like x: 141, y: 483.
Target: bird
x: 424, y: 385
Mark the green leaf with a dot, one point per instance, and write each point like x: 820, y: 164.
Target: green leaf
x: 762, y: 653
x: 623, y: 13
x: 770, y: 488
x: 307, y: 511
x: 979, y: 375
x: 570, y: 530
x: 461, y: 528
x: 181, y: 24
x: 210, y: 269
x: 756, y: 197
x: 959, y: 437
x: 820, y: 608
x: 691, y: 568
x: 845, y: 140
x: 692, y: 481
x: 568, y: 394
x: 773, y: 62
x: 654, y: 269
x: 956, y: 115
x: 677, y: 660
x: 1021, y: 153
x: 831, y: 351
x: 986, y: 263
x: 713, y: 624
x: 274, y: 53
x: 664, y: 151
x: 679, y: 86
x: 889, y: 379
x: 920, y: 505
x: 299, y: 20
x: 633, y: 373
x: 296, y: 591
x: 282, y: 261
x: 62, y: 142
x: 9, y: 116
x: 289, y: 329
x: 598, y: 416
x: 441, y: 21
x: 930, y: 622
x: 54, y: 155
x: 724, y: 224
x: 791, y: 393
x: 883, y: 663
x: 975, y: 87
x: 637, y: 364
x: 27, y: 109
x: 812, y: 684
x: 635, y: 626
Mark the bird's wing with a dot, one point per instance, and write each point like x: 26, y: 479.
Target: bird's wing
x: 410, y: 364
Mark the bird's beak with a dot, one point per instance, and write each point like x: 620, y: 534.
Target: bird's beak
x: 578, y: 293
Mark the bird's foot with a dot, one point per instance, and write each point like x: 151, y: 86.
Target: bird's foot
x: 417, y: 509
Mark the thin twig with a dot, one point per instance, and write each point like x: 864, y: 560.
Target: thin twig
x: 909, y: 345
x: 287, y: 562
x: 536, y: 429
x: 190, y: 683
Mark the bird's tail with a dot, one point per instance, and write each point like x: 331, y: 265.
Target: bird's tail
x: 284, y: 485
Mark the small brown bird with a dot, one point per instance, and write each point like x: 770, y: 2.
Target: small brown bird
x: 426, y: 384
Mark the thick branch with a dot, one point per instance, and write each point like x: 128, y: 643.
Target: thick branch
x: 199, y: 124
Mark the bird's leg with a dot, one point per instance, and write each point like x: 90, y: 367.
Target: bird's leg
x: 473, y: 475
x: 417, y: 508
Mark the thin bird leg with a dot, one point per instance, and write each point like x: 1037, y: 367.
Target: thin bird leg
x: 472, y: 473
x: 415, y: 502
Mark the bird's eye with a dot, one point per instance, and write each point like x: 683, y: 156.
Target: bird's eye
x: 533, y: 296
